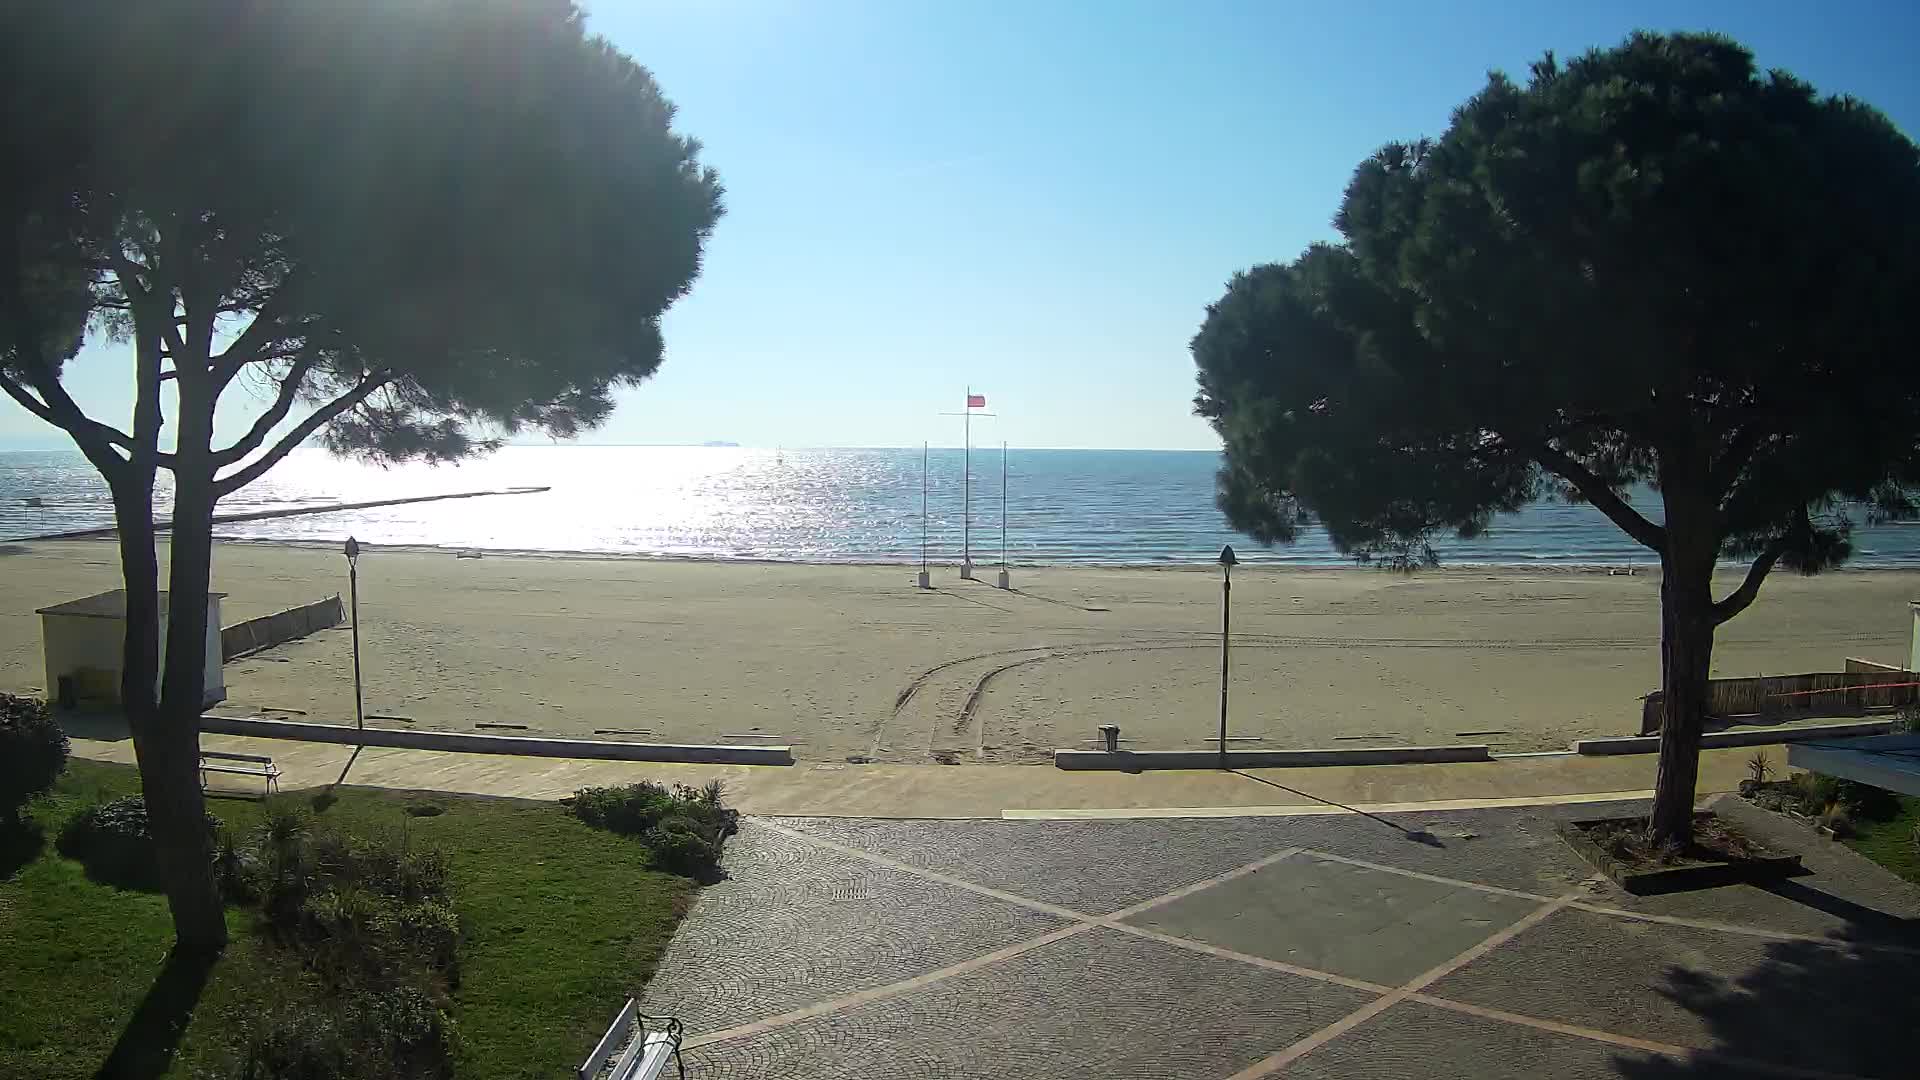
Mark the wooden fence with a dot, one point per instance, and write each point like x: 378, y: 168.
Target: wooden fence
x: 279, y: 627
x: 1821, y: 693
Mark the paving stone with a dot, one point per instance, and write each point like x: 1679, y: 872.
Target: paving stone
x: 1416, y: 1040
x: 1103, y: 866
x: 1786, y: 1002
x: 794, y: 924
x: 1330, y: 916
x: 1099, y: 1004
x: 1092, y: 866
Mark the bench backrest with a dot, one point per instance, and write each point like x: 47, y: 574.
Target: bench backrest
x: 261, y: 758
x: 615, y: 1031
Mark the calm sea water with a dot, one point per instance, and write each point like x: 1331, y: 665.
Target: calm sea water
x: 1117, y: 507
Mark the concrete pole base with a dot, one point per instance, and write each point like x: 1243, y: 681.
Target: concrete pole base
x: 966, y: 571
x: 1005, y: 581
x: 924, y: 580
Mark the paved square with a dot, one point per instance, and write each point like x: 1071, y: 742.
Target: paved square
x: 1099, y: 1004
x: 1796, y: 1003
x: 1335, y: 948
x: 1349, y: 920
x: 794, y: 924
x: 1415, y: 1040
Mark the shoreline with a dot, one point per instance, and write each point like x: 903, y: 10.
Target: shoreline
x: 1256, y: 564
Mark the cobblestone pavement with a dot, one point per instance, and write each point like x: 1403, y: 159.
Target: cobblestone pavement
x: 1462, y: 944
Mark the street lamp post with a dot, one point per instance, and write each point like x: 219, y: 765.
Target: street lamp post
x: 353, y: 592
x: 1227, y: 562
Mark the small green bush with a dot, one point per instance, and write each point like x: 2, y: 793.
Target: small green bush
x: 33, y: 752
x: 364, y: 911
x: 1816, y: 794
x: 629, y: 810
x: 113, y: 841
x: 683, y: 830
x: 679, y: 847
x: 399, y: 1033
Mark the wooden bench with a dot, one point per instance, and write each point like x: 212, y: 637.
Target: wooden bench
x: 212, y: 761
x: 646, y: 1053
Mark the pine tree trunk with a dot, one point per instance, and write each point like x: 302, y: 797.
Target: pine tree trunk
x: 176, y: 807
x: 167, y: 752
x: 1686, y: 655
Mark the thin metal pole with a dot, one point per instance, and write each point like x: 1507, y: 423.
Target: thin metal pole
x: 923, y: 507
x: 966, y: 487
x: 353, y: 590
x: 1226, y: 603
x: 1003, y: 504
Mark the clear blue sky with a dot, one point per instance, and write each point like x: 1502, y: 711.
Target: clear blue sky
x: 1040, y: 199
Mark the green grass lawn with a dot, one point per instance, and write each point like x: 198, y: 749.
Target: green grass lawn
x: 1890, y: 843
x: 560, y: 922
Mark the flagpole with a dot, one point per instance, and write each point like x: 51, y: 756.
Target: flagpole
x: 1006, y: 582
x: 966, y: 492
x: 925, y: 581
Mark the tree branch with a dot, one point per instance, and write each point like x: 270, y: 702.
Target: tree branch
x: 320, y: 418
x: 1603, y: 497
x: 68, y: 418
x: 1740, y: 450
x: 1737, y: 601
x: 129, y: 272
x: 255, y: 337
x: 264, y: 424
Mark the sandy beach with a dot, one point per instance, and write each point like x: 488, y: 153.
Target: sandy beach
x: 846, y: 661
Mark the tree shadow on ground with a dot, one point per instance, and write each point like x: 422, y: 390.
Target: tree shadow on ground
x: 146, y: 1045
x: 1845, y: 1006
x: 21, y: 842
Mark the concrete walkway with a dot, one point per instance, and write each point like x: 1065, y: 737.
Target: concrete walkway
x: 1329, y: 947
x: 971, y: 791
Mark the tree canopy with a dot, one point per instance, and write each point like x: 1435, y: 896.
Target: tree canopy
x: 410, y: 226
x: 1652, y: 265
x: 412, y: 220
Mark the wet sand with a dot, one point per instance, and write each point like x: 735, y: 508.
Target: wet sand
x: 846, y: 661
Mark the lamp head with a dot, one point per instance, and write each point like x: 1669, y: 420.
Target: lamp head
x: 1227, y: 557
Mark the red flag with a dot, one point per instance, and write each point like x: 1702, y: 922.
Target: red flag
x: 976, y: 401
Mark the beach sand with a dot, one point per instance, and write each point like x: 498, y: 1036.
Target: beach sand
x: 843, y: 661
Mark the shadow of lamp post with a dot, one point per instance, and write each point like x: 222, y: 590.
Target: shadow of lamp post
x: 1227, y: 561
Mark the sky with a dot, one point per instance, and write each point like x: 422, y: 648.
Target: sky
x: 1037, y: 200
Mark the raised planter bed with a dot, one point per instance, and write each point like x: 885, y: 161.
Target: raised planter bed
x: 1719, y: 855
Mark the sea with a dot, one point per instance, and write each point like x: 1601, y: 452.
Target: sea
x: 1083, y: 507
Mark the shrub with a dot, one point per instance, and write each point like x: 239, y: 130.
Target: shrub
x: 1837, y: 819
x: 1907, y: 718
x: 629, y: 810
x: 33, y: 752
x: 113, y: 841
x: 365, y: 911
x: 1817, y: 793
x: 683, y: 829
x: 678, y: 847
x: 398, y: 1033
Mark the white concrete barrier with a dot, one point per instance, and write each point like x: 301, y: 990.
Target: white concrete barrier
x: 461, y: 742
x: 1133, y: 760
